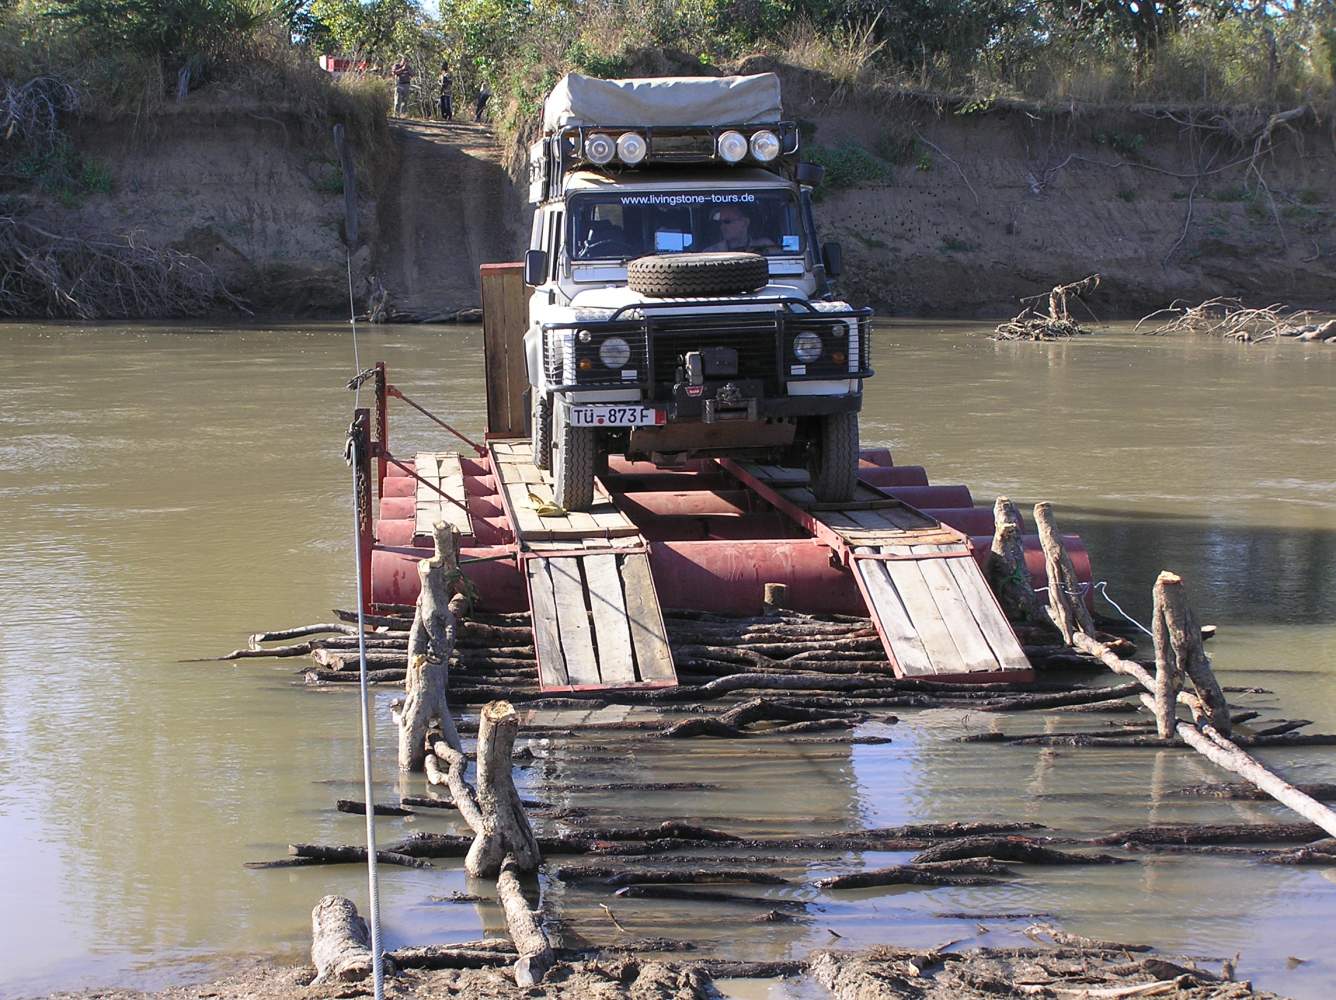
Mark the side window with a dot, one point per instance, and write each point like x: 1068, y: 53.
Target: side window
x: 536, y: 238
x: 554, y: 245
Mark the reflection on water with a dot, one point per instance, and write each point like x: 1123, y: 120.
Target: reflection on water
x: 168, y: 490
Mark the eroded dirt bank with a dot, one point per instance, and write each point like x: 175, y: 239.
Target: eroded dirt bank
x: 942, y: 210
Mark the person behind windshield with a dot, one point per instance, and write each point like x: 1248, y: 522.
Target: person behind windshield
x: 735, y: 232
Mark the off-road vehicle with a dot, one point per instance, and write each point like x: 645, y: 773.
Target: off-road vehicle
x: 681, y: 304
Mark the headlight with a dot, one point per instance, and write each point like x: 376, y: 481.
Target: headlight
x: 807, y: 347
x: 599, y: 148
x: 764, y: 145
x: 732, y: 147
x: 631, y: 148
x: 615, y: 352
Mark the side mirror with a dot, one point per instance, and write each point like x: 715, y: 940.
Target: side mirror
x: 535, y: 267
x: 810, y: 174
x: 832, y: 257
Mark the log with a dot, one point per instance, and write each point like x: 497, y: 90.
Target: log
x: 345, y: 853
x: 340, y: 942
x: 1065, y: 602
x: 622, y: 876
x: 775, y: 597
x: 1218, y: 833
x: 505, y: 828
x: 1022, y: 703
x: 1322, y: 791
x: 962, y: 871
x: 359, y: 808
x: 703, y: 896
x: 1022, y: 849
x: 453, y: 956
x: 535, y: 951
x: 1168, y: 677
x: 301, y: 630
x: 431, y: 642
x: 1215, y: 747
x: 1007, y: 575
x: 1184, y: 635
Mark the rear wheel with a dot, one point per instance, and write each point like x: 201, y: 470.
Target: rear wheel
x: 573, y: 450
x: 832, y: 461
x: 540, y: 433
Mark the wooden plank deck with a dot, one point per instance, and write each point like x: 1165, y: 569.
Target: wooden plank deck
x: 597, y: 620
x: 935, y: 612
x: 442, y: 470
x: 525, y: 488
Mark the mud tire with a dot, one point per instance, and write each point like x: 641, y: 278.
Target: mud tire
x: 540, y: 431
x: 692, y: 275
x: 832, y: 460
x: 572, y: 463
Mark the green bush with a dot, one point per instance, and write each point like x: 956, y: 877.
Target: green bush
x: 849, y: 165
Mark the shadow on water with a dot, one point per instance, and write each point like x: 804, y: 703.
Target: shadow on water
x: 1242, y: 574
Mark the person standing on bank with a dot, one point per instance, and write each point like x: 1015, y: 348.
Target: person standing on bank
x: 447, y: 84
x: 484, y: 92
x: 403, y: 83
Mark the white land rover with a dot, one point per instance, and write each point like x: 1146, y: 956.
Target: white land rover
x: 681, y: 303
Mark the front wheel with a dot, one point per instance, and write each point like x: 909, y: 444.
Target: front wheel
x: 833, y: 459
x: 573, y: 451
x: 540, y: 432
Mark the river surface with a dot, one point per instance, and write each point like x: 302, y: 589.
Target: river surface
x: 167, y: 490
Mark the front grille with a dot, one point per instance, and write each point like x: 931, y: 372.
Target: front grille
x: 755, y: 336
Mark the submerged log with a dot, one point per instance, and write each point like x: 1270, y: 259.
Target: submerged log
x: 961, y: 871
x: 704, y: 896
x: 621, y: 876
x: 1217, y: 833
x: 1022, y: 849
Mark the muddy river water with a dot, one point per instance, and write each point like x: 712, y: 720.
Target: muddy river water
x: 166, y: 490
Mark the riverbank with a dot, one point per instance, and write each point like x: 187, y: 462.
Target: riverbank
x: 943, y: 207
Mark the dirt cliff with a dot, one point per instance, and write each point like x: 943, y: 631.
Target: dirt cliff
x: 952, y: 210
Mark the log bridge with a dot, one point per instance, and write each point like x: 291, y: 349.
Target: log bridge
x: 713, y: 533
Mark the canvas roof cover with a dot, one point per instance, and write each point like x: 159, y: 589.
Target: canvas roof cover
x: 669, y: 100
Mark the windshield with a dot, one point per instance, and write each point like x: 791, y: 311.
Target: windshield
x: 625, y: 225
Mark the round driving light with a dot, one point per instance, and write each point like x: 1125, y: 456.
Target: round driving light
x: 732, y: 147
x: 764, y: 145
x: 583, y: 336
x: 599, y: 148
x: 614, y: 352
x: 807, y: 347
x: 631, y: 148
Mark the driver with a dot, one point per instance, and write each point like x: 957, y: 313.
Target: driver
x: 735, y: 232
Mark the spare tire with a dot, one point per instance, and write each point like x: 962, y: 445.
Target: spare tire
x: 690, y: 275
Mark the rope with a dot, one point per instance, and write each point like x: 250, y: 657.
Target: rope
x: 1102, y: 589
x: 373, y: 885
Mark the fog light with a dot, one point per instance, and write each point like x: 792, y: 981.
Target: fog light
x: 732, y: 147
x: 764, y: 145
x: 631, y: 148
x: 599, y: 148
x: 807, y: 347
x: 614, y: 352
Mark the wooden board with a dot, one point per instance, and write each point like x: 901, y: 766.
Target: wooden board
x: 547, y: 639
x: 505, y: 311
x: 935, y: 612
x: 442, y: 470
x: 577, y: 641
x: 616, y: 661
x: 597, y: 621
x: 654, y: 659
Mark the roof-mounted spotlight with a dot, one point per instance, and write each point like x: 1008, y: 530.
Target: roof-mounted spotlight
x: 764, y: 145
x: 599, y: 148
x: 732, y: 146
x: 631, y: 148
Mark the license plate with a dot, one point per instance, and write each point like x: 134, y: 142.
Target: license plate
x: 616, y: 416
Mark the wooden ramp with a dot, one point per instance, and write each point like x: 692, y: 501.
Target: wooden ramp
x: 443, y: 475
x: 596, y: 616
x: 934, y: 610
